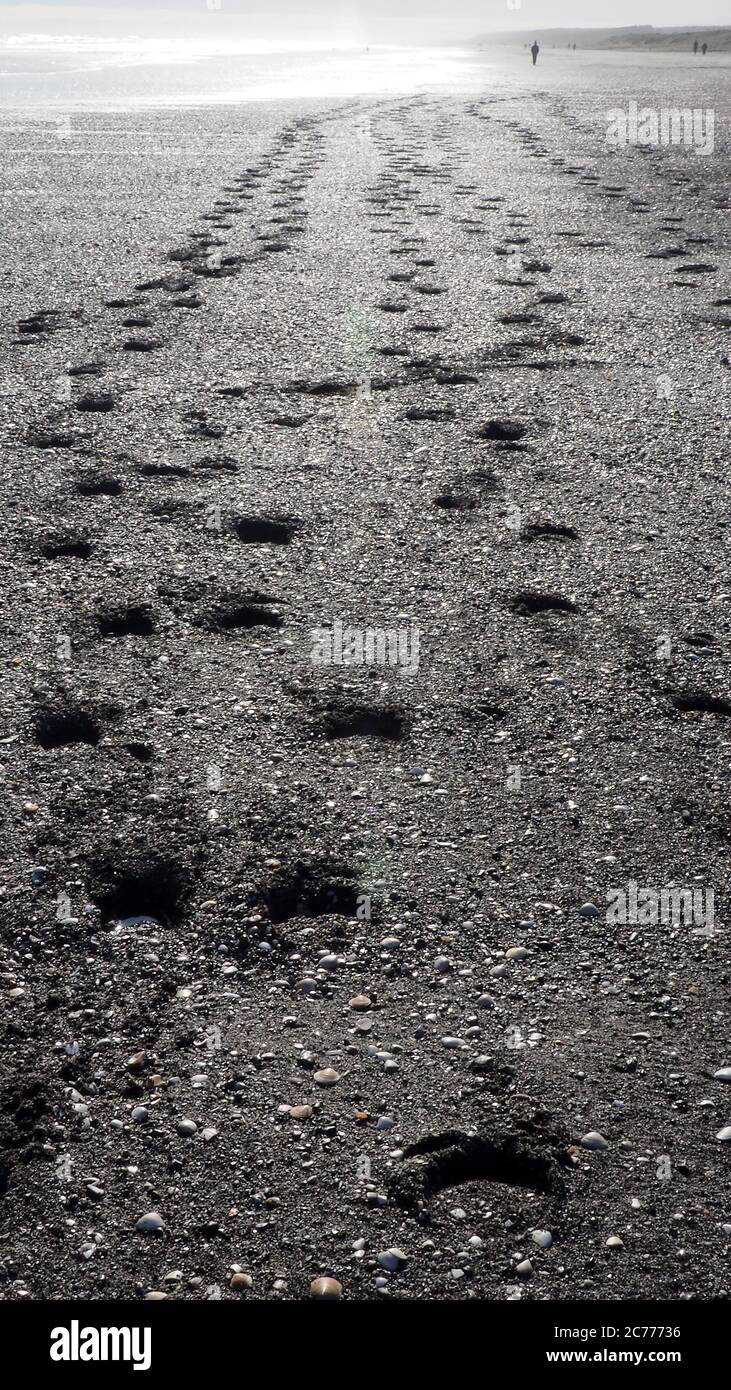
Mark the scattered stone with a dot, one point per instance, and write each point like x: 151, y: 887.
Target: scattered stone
x: 326, y: 1288
x: 543, y: 1239
x: 615, y: 1243
x: 392, y: 1259
x: 594, y: 1140
x: 724, y: 1135
x: 724, y: 1074
x: 187, y: 1128
x: 150, y: 1223
x: 359, y: 1002
x: 327, y: 1076
x: 241, y: 1282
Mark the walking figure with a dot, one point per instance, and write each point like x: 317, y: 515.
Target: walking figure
x: 535, y: 50
x: 704, y: 49
x: 695, y: 46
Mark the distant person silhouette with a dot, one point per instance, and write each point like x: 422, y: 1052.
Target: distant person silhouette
x: 535, y: 50
x: 695, y: 46
x: 704, y: 49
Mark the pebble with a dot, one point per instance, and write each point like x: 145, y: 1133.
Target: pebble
x: 326, y: 1288
x: 300, y: 1112
x: 359, y: 1002
x: 543, y: 1239
x: 589, y: 910
x: 442, y: 965
x: 241, y: 1282
x: 486, y: 1001
x: 724, y: 1134
x: 140, y: 1115
x: 615, y: 1243
x: 452, y: 1043
x: 392, y: 1259
x: 327, y: 1076
x: 517, y: 953
x: 390, y: 943
x: 594, y: 1140
x: 187, y: 1128
x: 150, y: 1223
x: 724, y: 1074
x: 525, y: 1269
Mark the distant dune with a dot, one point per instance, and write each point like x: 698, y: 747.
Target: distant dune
x: 637, y: 37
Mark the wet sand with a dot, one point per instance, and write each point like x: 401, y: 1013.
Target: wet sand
x: 444, y: 365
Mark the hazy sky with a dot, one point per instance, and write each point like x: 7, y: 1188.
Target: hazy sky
x: 347, y: 20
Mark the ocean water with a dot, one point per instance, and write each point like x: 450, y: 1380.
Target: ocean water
x: 71, y: 72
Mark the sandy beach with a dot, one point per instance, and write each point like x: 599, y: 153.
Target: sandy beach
x: 307, y: 960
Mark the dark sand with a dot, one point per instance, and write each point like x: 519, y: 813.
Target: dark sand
x: 477, y: 259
